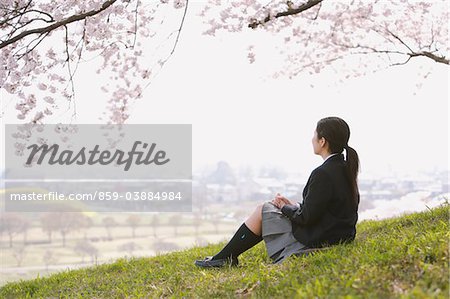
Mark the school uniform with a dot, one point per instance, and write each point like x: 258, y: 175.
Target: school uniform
x: 327, y: 215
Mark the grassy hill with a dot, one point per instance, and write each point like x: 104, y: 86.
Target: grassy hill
x: 399, y: 257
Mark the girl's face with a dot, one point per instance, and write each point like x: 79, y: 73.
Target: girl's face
x: 317, y: 143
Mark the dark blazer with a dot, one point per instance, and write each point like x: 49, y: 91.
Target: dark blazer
x: 328, y: 214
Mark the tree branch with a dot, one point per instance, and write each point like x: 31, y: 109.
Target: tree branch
x: 400, y: 40
x: 163, y: 62
x: 291, y: 11
x: 56, y: 25
x: 440, y: 59
x: 14, y: 16
x: 181, y: 27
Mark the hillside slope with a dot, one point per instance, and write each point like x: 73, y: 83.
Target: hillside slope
x: 405, y: 256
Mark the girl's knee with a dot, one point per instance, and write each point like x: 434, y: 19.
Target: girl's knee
x: 260, y: 206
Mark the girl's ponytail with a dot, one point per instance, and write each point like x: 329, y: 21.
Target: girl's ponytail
x: 352, y: 170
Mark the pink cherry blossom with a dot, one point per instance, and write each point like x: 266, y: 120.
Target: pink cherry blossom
x: 42, y: 43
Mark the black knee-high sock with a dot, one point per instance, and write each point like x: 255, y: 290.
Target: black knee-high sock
x: 242, y: 240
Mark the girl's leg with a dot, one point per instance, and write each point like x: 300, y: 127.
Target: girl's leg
x: 247, y: 236
x: 254, y: 222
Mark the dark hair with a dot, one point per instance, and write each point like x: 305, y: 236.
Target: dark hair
x: 337, y: 133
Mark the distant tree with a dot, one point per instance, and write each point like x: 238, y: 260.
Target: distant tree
x: 49, y: 225
x: 109, y: 222
x: 19, y: 254
x: 133, y: 221
x: 85, y: 222
x: 12, y: 224
x: 84, y: 248
x: 67, y: 222
x: 63, y: 222
x: 48, y: 258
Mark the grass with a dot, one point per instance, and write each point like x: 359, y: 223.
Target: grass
x: 404, y: 257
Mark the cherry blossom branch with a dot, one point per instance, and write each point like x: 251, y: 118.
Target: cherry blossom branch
x: 181, y: 27
x: 440, y: 59
x: 70, y: 72
x: 71, y: 19
x: 40, y: 38
x: 436, y: 58
x: 163, y: 62
x: 254, y: 23
x: 17, y: 11
x: 400, y: 40
x: 3, y: 22
x: 135, y: 24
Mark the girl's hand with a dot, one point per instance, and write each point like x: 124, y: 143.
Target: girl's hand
x: 279, y: 201
x: 284, y: 200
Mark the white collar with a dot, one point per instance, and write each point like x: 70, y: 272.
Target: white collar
x: 330, y: 156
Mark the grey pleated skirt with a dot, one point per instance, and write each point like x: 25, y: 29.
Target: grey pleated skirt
x: 277, y: 234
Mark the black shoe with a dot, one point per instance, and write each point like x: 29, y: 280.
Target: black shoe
x: 208, y: 262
